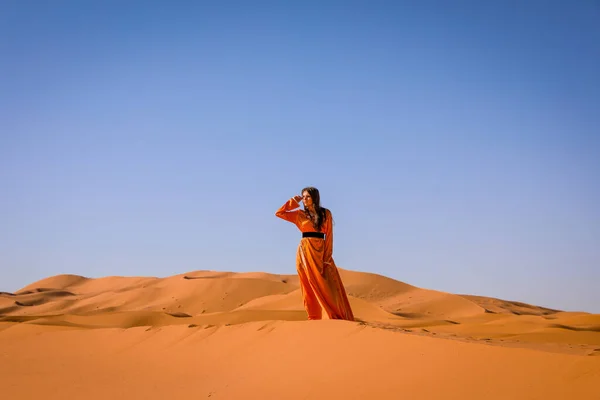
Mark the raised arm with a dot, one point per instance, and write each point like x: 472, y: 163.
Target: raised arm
x: 328, y: 239
x: 289, y: 211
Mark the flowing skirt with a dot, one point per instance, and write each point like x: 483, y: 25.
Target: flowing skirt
x: 321, y: 284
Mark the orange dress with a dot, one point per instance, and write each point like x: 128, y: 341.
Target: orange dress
x: 320, y: 280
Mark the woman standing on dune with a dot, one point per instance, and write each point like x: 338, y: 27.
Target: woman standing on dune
x: 319, y: 277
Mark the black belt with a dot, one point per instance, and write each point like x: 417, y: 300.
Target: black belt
x: 313, y: 234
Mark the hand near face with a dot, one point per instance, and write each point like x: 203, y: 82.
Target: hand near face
x: 298, y: 198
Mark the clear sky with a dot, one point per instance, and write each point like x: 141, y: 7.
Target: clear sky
x: 457, y: 143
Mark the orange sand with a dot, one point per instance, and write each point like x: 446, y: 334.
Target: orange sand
x: 224, y: 335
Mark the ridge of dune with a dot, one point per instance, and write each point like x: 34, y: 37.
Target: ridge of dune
x: 62, y: 281
x: 225, y: 297
x: 406, y: 300
x: 207, y: 274
x: 494, y: 305
x: 212, y: 291
x: 208, y: 291
x: 175, y: 294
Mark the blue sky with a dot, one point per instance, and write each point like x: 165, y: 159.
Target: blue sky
x: 457, y: 143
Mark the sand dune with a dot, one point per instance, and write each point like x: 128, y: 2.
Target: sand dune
x: 228, y: 335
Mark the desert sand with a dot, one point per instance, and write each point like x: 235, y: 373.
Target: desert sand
x: 226, y: 335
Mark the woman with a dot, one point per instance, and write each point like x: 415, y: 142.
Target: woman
x: 319, y: 278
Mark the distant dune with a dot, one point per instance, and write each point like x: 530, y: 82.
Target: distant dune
x: 229, y: 335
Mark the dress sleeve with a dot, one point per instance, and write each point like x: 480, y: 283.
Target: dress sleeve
x: 328, y: 239
x: 289, y: 211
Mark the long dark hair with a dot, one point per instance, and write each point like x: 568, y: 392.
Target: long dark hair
x: 321, y: 212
